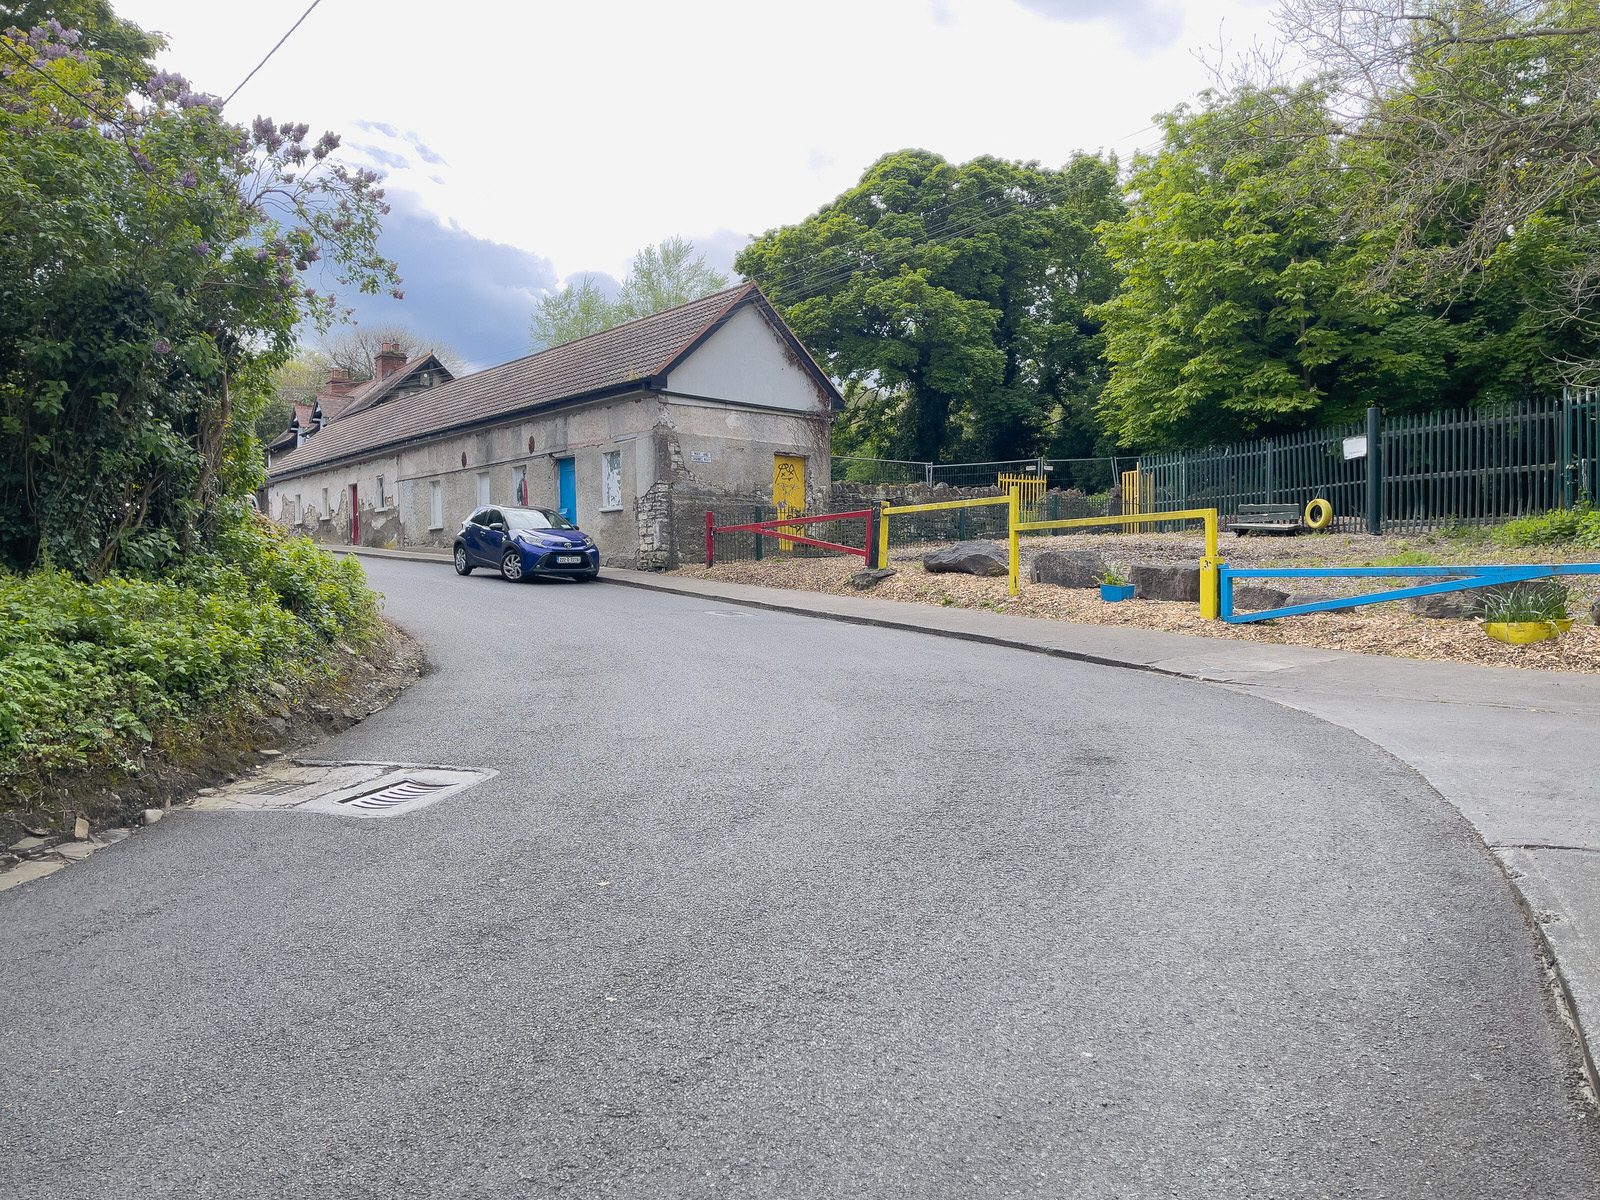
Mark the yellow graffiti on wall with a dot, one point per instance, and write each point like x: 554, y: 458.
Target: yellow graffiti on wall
x: 788, y: 490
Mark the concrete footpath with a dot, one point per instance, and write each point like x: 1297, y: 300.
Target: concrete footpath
x: 1517, y: 752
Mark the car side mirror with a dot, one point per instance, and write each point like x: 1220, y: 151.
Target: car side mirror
x: 500, y: 525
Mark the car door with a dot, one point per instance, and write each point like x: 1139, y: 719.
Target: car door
x: 491, y: 542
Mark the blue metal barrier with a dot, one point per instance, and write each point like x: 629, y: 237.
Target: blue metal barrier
x: 1464, y: 578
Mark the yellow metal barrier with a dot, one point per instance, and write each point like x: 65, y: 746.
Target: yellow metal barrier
x: 1030, y: 491
x: 1137, y: 492
x: 1013, y: 514
x: 1210, y: 603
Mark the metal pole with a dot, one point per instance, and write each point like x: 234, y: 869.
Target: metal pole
x: 1374, y: 470
x: 1568, y: 467
x: 711, y: 537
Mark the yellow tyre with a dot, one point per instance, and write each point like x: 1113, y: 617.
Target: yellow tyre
x: 1319, y: 514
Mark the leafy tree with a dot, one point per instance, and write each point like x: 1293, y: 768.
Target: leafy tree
x: 661, y: 277
x: 576, y: 311
x: 1485, y: 115
x: 664, y: 276
x: 126, y: 50
x: 1242, y: 310
x: 152, y: 273
x: 959, y: 293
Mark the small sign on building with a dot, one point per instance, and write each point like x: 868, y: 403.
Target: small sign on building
x: 1355, y: 447
x: 699, y: 456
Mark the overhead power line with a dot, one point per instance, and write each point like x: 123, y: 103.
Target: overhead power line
x: 270, y: 53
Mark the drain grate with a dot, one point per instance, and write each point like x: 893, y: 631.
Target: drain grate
x: 396, y: 793
x: 277, y: 789
x: 365, y: 790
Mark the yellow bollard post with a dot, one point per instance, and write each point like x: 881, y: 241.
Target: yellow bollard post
x: 1210, y: 595
x: 1014, y: 513
x: 883, y: 538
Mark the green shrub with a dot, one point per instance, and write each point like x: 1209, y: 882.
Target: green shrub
x: 90, y: 671
x: 1579, y: 526
x: 1530, y: 602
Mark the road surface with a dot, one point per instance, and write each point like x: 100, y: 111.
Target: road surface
x: 763, y: 906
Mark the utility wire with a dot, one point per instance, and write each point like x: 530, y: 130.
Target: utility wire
x: 270, y: 53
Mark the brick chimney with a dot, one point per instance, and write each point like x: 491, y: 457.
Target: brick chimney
x: 339, y: 382
x: 388, y: 360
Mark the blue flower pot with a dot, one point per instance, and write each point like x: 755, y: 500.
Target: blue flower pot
x: 1116, y: 591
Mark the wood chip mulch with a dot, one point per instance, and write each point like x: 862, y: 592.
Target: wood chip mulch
x: 1389, y: 628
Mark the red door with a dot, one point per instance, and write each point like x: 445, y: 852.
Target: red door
x: 355, y: 518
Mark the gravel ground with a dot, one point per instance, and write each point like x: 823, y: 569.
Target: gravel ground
x: 1377, y: 629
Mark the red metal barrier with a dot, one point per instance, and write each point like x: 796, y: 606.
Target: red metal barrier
x: 783, y: 528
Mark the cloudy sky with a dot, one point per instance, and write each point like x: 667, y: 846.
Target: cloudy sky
x: 529, y: 141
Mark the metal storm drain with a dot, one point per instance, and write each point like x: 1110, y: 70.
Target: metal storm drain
x: 353, y: 789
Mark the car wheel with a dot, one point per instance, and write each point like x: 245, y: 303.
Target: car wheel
x: 511, y: 566
x: 463, y: 567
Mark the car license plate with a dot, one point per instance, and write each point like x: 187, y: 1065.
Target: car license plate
x: 569, y: 558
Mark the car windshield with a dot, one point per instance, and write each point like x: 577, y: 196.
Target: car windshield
x: 535, y: 518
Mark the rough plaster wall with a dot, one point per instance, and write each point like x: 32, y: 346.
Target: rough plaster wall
x: 746, y: 360
x: 662, y: 445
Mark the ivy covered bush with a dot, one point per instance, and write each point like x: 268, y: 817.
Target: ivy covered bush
x: 160, y: 260
x: 91, y: 673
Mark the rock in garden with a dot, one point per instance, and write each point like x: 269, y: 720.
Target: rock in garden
x: 1594, y: 612
x: 1068, y: 568
x: 1446, y: 606
x: 1457, y: 606
x: 1166, y: 583
x: 969, y: 558
x: 152, y: 815
x: 80, y: 829
x: 1251, y: 598
x: 862, y: 580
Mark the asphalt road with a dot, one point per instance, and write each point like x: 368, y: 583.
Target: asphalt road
x: 766, y: 906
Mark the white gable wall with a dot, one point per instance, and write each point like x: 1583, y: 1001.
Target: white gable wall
x: 746, y: 361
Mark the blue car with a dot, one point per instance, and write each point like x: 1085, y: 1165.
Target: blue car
x: 523, y: 542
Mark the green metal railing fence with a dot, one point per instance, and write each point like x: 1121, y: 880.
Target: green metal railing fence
x: 1475, y: 467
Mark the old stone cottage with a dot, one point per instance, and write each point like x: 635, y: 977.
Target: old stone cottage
x: 714, y: 397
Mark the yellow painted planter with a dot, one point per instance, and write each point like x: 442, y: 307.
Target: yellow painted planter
x: 1521, y: 633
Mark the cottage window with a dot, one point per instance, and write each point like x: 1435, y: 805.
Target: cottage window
x: 611, y: 481
x: 294, y: 512
x: 383, y: 497
x: 435, y: 505
x: 326, y: 512
x: 519, y: 484
x: 483, y: 489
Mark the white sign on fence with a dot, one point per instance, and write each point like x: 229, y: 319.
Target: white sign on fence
x: 1355, y: 447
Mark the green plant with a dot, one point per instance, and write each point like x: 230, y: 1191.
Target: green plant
x: 1579, y: 525
x: 1403, y: 558
x: 1531, y: 602
x: 1114, y: 577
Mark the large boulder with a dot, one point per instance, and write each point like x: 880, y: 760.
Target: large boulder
x: 1068, y: 568
x: 1594, y: 612
x: 1253, y: 598
x: 1458, y: 606
x: 969, y: 558
x: 1166, y: 583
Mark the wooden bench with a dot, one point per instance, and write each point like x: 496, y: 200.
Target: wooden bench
x: 1267, y: 518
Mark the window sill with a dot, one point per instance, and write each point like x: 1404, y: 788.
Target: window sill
x: 618, y: 508
x: 435, y: 528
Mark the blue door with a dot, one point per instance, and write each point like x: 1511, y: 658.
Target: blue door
x: 567, y: 485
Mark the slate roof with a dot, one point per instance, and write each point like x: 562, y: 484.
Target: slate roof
x: 631, y: 355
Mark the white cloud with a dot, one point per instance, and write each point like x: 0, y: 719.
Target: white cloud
x: 579, y: 133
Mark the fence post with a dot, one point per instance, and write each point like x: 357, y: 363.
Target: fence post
x: 711, y: 538
x: 1374, y: 470
x: 1013, y: 518
x: 1569, y: 469
x: 1269, y: 472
